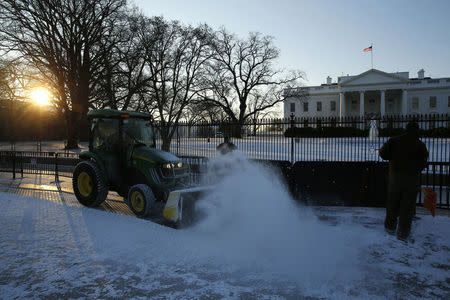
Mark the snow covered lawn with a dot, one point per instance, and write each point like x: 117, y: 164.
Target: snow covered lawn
x: 53, y: 250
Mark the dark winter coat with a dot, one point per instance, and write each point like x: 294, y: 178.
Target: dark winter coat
x: 406, y: 153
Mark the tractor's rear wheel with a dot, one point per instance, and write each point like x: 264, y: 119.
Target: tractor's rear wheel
x: 88, y: 184
x: 141, y: 199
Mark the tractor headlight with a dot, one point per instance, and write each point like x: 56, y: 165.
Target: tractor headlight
x: 172, y: 165
x: 167, y: 166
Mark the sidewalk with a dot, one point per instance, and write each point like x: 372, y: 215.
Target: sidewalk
x: 51, y: 146
x: 45, y: 187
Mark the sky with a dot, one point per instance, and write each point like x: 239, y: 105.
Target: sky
x: 326, y: 38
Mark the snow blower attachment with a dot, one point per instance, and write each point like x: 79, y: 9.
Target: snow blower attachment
x: 180, y: 208
x: 122, y: 157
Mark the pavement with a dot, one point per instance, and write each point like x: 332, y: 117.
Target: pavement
x: 45, y: 187
x: 50, y: 146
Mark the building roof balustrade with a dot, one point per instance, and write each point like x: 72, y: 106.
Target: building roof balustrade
x: 433, y: 81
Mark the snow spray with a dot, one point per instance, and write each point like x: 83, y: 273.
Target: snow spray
x: 252, y: 221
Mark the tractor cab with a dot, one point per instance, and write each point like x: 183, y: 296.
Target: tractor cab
x: 110, y: 134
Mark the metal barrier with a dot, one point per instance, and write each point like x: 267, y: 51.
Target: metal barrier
x: 354, y: 183
x: 63, y: 163
x: 30, y: 162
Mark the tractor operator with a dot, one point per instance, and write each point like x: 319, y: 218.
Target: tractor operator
x: 407, y: 157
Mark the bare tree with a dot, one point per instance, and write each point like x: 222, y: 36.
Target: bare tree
x: 175, y: 56
x: 66, y: 41
x: 242, y: 78
x: 14, y: 79
x: 122, y: 80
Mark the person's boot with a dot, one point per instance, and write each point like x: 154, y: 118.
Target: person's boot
x: 389, y: 230
x: 403, y: 236
x: 390, y: 226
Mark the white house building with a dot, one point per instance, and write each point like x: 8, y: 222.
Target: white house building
x: 372, y: 93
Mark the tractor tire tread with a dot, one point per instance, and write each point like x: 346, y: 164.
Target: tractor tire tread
x: 102, y: 188
x: 149, y: 198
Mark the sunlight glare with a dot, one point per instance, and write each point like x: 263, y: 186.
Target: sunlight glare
x: 41, y: 96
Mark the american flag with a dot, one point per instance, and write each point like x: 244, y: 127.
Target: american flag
x: 368, y: 49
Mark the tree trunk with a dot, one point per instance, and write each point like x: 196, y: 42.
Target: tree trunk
x: 165, y: 137
x: 236, y: 129
x: 166, y: 143
x: 72, y: 140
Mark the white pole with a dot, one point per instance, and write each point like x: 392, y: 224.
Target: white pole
x: 371, y: 54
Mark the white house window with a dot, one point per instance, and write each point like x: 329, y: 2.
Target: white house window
x: 319, y: 106
x: 415, y: 103
x: 354, y: 105
x: 390, y: 104
x: 333, y: 104
x: 305, y: 106
x: 292, y: 107
x: 432, y: 101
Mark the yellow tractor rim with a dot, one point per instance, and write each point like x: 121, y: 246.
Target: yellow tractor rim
x: 137, y: 201
x: 84, y: 184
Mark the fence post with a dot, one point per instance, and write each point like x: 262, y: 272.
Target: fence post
x: 14, y: 164
x: 56, y: 167
x: 292, y: 138
x: 178, y: 139
x: 21, y: 164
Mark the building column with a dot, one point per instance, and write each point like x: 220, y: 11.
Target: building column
x: 404, y: 102
x: 383, y: 103
x: 341, y: 105
x: 361, y: 103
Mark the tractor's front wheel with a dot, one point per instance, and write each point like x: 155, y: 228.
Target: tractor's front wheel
x: 88, y: 184
x: 140, y: 199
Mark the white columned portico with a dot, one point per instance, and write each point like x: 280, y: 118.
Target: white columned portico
x: 404, y: 102
x: 383, y: 103
x: 341, y: 104
x: 361, y: 103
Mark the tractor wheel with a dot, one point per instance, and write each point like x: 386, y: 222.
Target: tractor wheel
x: 140, y: 199
x: 88, y: 184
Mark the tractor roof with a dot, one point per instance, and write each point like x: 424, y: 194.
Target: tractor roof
x: 113, y: 113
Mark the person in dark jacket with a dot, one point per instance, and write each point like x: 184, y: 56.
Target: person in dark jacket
x: 407, y: 157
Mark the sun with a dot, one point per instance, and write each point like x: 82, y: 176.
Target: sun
x: 41, y: 96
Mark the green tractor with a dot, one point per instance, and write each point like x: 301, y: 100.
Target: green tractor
x: 122, y: 157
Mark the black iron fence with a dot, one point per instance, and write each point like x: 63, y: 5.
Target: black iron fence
x: 298, y: 146
x: 46, y: 163
x: 293, y: 139
x: 319, y: 182
x: 57, y: 164
x: 311, y: 139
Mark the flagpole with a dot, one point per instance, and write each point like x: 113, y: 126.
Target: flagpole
x: 371, y: 54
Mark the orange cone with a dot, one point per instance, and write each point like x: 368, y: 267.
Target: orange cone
x: 429, y: 200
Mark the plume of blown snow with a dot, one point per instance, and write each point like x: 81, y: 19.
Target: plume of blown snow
x: 252, y: 221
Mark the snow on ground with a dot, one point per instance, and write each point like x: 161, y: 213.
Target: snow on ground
x: 255, y: 243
